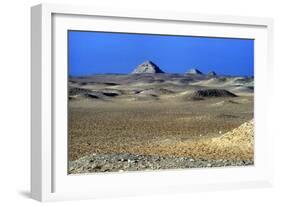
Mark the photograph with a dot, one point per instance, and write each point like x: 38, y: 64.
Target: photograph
x: 146, y: 102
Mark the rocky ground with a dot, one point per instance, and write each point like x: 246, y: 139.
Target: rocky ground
x: 130, y: 162
x: 159, y: 121
x: 218, y: 152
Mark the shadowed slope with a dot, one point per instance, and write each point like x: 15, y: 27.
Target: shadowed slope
x: 202, y: 93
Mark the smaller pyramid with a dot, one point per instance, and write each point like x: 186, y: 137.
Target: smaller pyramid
x: 194, y: 71
x: 147, y: 67
x: 212, y: 73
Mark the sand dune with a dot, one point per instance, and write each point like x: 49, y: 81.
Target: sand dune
x: 226, y: 82
x: 150, y: 86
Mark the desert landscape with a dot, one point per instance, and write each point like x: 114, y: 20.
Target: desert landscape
x: 149, y: 119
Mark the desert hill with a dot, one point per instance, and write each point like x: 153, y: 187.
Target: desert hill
x: 212, y: 73
x: 194, y: 71
x: 150, y: 86
x: 147, y: 67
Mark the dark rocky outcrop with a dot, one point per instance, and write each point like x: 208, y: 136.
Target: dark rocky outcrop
x: 208, y: 93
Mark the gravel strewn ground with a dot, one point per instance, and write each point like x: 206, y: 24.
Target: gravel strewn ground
x: 130, y: 162
x: 148, y: 122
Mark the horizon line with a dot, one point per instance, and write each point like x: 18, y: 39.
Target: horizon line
x: 203, y: 74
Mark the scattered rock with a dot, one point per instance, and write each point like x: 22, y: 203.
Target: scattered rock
x: 131, y: 162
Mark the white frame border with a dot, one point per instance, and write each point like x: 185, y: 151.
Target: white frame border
x: 42, y: 86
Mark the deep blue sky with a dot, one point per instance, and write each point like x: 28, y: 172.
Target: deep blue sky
x: 100, y: 52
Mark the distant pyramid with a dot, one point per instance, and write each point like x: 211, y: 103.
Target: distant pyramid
x: 193, y: 71
x: 212, y: 73
x: 147, y: 67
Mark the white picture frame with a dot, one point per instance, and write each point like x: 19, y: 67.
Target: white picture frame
x: 49, y: 179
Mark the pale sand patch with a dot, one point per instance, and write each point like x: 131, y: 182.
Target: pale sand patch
x: 242, y: 137
x: 234, y: 145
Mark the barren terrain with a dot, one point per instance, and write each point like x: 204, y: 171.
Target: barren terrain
x: 156, y: 121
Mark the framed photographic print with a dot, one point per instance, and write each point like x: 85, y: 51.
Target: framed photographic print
x: 136, y: 102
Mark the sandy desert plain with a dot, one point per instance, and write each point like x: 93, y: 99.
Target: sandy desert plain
x: 150, y: 120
